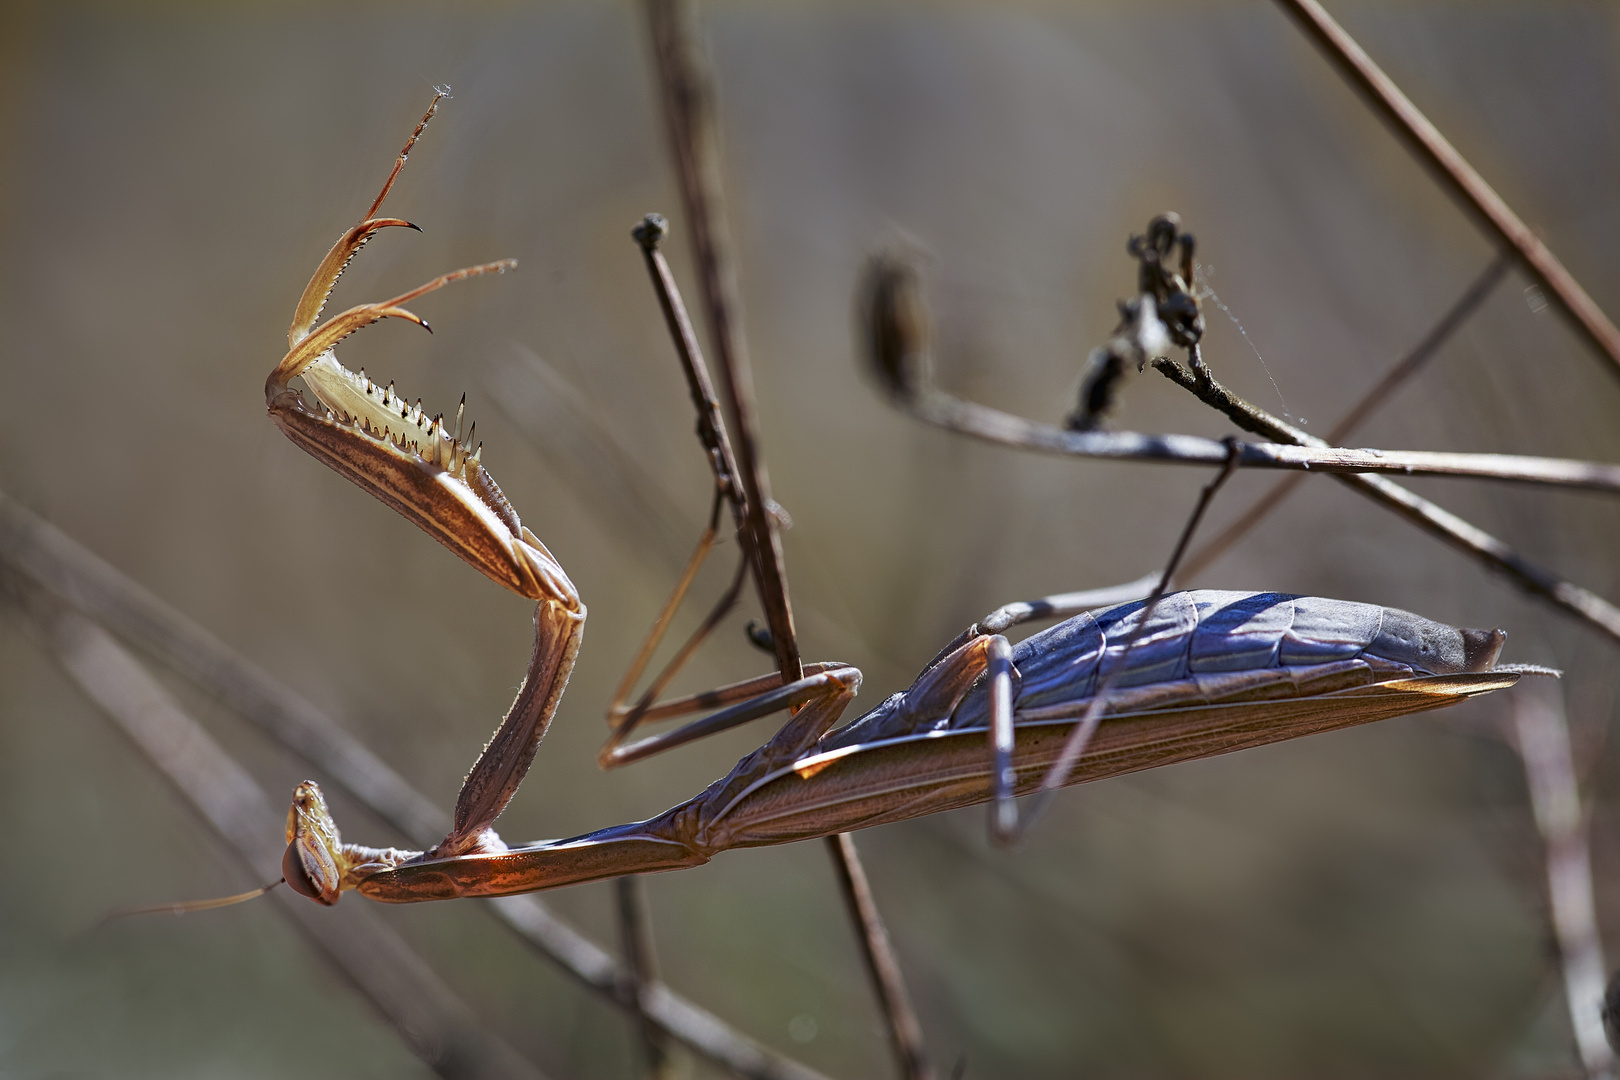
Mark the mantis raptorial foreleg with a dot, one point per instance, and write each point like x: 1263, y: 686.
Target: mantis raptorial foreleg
x: 495, y: 777
x: 434, y: 476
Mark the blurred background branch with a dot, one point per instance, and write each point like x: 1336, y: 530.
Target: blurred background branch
x: 438, y: 1027
x: 1541, y: 735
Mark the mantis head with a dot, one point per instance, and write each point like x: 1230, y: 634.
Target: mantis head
x: 314, y: 863
x: 317, y: 863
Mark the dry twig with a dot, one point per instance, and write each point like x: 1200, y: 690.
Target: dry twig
x: 936, y: 407
x: 1458, y: 177
x: 1542, y: 738
x: 635, y: 938
x: 689, y: 115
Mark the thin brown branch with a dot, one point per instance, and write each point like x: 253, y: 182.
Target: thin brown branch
x: 905, y: 1034
x: 1381, y: 391
x: 43, y: 553
x: 1458, y: 177
x: 426, y: 1014
x: 1542, y: 739
x: 635, y: 938
x: 711, y: 428
x: 897, y: 352
x: 1465, y: 537
x: 687, y: 100
x: 936, y: 407
x: 686, y: 93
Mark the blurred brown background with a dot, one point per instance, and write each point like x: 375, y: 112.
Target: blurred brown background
x: 1365, y: 903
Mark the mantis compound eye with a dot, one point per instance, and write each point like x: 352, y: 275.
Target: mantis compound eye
x: 296, y: 877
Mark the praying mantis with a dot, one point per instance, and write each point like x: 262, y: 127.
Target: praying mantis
x: 1177, y: 677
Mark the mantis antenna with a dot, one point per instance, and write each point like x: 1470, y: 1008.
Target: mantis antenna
x: 186, y: 907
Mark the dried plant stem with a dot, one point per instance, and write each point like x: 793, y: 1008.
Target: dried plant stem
x: 1542, y: 738
x: 686, y: 95
x: 635, y: 938
x: 905, y: 1035
x: 933, y: 406
x: 1583, y: 604
x: 1458, y: 177
x: 52, y: 558
x: 689, y: 117
x: 1075, y: 744
x: 426, y: 1014
x: 905, y: 1030
x: 1398, y: 373
x: 711, y: 427
x: 44, y: 554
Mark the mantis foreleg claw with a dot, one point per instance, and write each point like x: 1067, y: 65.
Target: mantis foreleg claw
x: 434, y: 476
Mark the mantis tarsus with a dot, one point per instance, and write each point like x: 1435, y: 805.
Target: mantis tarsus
x: 1195, y: 674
